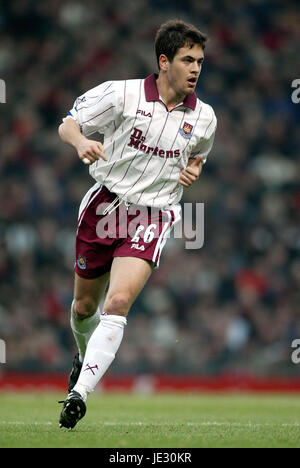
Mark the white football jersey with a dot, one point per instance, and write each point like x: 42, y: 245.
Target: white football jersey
x: 147, y: 146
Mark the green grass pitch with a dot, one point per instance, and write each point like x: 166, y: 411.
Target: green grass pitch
x: 156, y: 421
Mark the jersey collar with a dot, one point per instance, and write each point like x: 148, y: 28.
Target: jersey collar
x: 151, y: 93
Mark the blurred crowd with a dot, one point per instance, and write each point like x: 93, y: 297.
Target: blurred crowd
x: 230, y: 306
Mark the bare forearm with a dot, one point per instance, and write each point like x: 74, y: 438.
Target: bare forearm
x: 88, y: 151
x: 69, y: 132
x: 192, y: 171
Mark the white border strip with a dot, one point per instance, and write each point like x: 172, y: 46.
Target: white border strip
x: 166, y: 230
x: 87, y: 201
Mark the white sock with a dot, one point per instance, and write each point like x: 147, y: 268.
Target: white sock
x: 100, y: 352
x: 83, y: 330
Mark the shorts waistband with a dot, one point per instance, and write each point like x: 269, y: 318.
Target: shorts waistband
x: 117, y: 201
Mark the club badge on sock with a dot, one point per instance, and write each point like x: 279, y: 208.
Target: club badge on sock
x: 91, y: 368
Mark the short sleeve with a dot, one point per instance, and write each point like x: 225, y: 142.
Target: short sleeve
x: 95, y: 110
x: 205, y: 144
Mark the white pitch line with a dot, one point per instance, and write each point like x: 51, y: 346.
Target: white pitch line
x: 138, y: 423
x: 22, y: 423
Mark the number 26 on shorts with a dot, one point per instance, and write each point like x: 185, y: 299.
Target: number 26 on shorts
x: 148, y: 235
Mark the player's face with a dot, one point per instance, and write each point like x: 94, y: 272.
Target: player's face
x: 183, y: 72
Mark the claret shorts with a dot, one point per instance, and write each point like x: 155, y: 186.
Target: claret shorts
x: 109, y: 228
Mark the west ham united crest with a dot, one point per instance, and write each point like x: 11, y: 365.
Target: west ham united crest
x: 81, y: 262
x: 187, y: 130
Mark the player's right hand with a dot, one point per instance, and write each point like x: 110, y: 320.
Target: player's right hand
x: 90, y: 151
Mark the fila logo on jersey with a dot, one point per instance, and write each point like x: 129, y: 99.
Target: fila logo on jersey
x: 137, y: 140
x: 139, y: 111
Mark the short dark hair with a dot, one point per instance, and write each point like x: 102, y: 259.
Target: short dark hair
x: 175, y: 34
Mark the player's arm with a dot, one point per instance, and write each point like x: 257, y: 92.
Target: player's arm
x: 88, y: 151
x: 199, y: 155
x: 192, y: 172
x: 92, y: 112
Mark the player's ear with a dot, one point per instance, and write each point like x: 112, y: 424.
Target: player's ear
x: 163, y: 62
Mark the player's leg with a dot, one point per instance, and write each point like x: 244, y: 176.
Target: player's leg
x: 93, y: 262
x: 85, y: 317
x: 128, y: 276
x: 85, y: 312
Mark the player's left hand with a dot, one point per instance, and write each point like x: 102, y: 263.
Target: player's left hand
x: 192, y: 172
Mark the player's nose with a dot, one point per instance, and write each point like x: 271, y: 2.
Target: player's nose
x: 195, y: 68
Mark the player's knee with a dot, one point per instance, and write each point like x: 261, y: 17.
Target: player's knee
x: 117, y: 304
x: 84, y: 308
